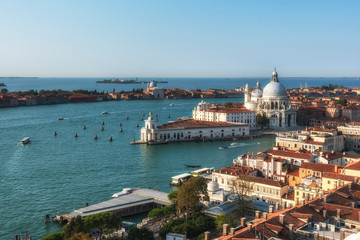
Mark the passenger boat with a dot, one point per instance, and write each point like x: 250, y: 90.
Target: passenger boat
x: 180, y: 179
x: 202, y: 172
x: 123, y: 192
x: 60, y: 118
x: 25, y: 140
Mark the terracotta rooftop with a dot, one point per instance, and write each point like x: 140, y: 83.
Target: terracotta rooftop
x: 353, y: 166
x: 293, y: 154
x: 320, y: 167
x: 191, y: 123
x: 313, y: 211
x: 338, y: 176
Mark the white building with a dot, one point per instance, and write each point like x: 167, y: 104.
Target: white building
x: 272, y: 102
x: 156, y: 92
x: 236, y: 114
x: 190, y: 130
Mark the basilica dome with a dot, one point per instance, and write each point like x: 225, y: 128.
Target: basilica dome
x: 274, y: 89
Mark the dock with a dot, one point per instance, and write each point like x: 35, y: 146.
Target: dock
x: 139, y: 201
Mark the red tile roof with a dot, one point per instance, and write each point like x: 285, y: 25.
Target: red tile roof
x: 320, y: 167
x: 353, y: 166
x: 293, y: 154
x: 338, y: 176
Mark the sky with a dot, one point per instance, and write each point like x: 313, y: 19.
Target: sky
x: 173, y: 38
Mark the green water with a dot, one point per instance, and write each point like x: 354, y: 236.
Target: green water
x: 57, y: 174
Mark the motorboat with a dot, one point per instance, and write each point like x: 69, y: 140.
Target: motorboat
x: 105, y: 113
x: 25, y: 140
x: 171, y: 104
x: 224, y: 147
x: 234, y: 144
x: 123, y: 192
x: 192, y: 166
x: 60, y: 118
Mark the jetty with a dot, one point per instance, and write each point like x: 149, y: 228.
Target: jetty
x: 138, y: 201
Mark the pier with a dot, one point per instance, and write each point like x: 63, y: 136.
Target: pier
x: 139, y: 201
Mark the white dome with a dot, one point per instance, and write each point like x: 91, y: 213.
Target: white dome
x: 274, y: 89
x: 257, y: 93
x: 212, y: 186
x: 152, y: 84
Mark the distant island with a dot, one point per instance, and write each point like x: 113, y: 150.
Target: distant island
x: 17, y: 77
x: 125, y: 81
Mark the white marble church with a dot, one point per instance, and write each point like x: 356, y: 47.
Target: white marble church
x: 273, y: 102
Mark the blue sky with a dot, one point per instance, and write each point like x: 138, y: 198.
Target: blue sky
x: 187, y: 38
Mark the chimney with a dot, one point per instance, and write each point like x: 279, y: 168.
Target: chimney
x: 271, y: 209
x: 249, y: 226
x: 257, y: 214
x: 316, y: 236
x: 276, y: 206
x: 207, y: 236
x: 291, y: 228
x: 353, y: 204
x: 342, y: 234
x: 225, y: 229
x: 325, y: 199
x: 336, y: 168
x: 243, y: 222
x: 265, y: 215
x: 350, y: 186
x: 324, y: 213
x: 338, y: 213
x: 232, y: 231
x: 281, y: 219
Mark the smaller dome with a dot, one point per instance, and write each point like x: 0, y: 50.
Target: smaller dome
x: 257, y: 93
x: 152, y: 84
x: 212, y: 186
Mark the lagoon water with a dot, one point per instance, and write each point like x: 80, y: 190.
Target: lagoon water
x: 57, y: 174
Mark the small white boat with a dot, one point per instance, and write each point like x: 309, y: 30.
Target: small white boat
x: 171, y: 104
x: 123, y: 192
x: 104, y: 113
x: 25, y: 140
x: 233, y: 144
x: 60, y: 118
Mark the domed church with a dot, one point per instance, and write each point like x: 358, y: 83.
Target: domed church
x: 273, y: 102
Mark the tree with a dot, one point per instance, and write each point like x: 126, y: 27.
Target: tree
x: 155, y: 213
x: 190, y: 194
x: 220, y: 220
x: 228, y: 104
x: 172, y: 196
x: 4, y: 90
x: 341, y: 102
x: 80, y: 236
x: 261, y: 120
x: 102, y: 221
x: 54, y: 236
x: 242, y: 188
x: 140, y: 234
x: 76, y: 225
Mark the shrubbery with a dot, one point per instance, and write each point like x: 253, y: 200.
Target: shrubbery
x: 155, y: 213
x: 194, y: 226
